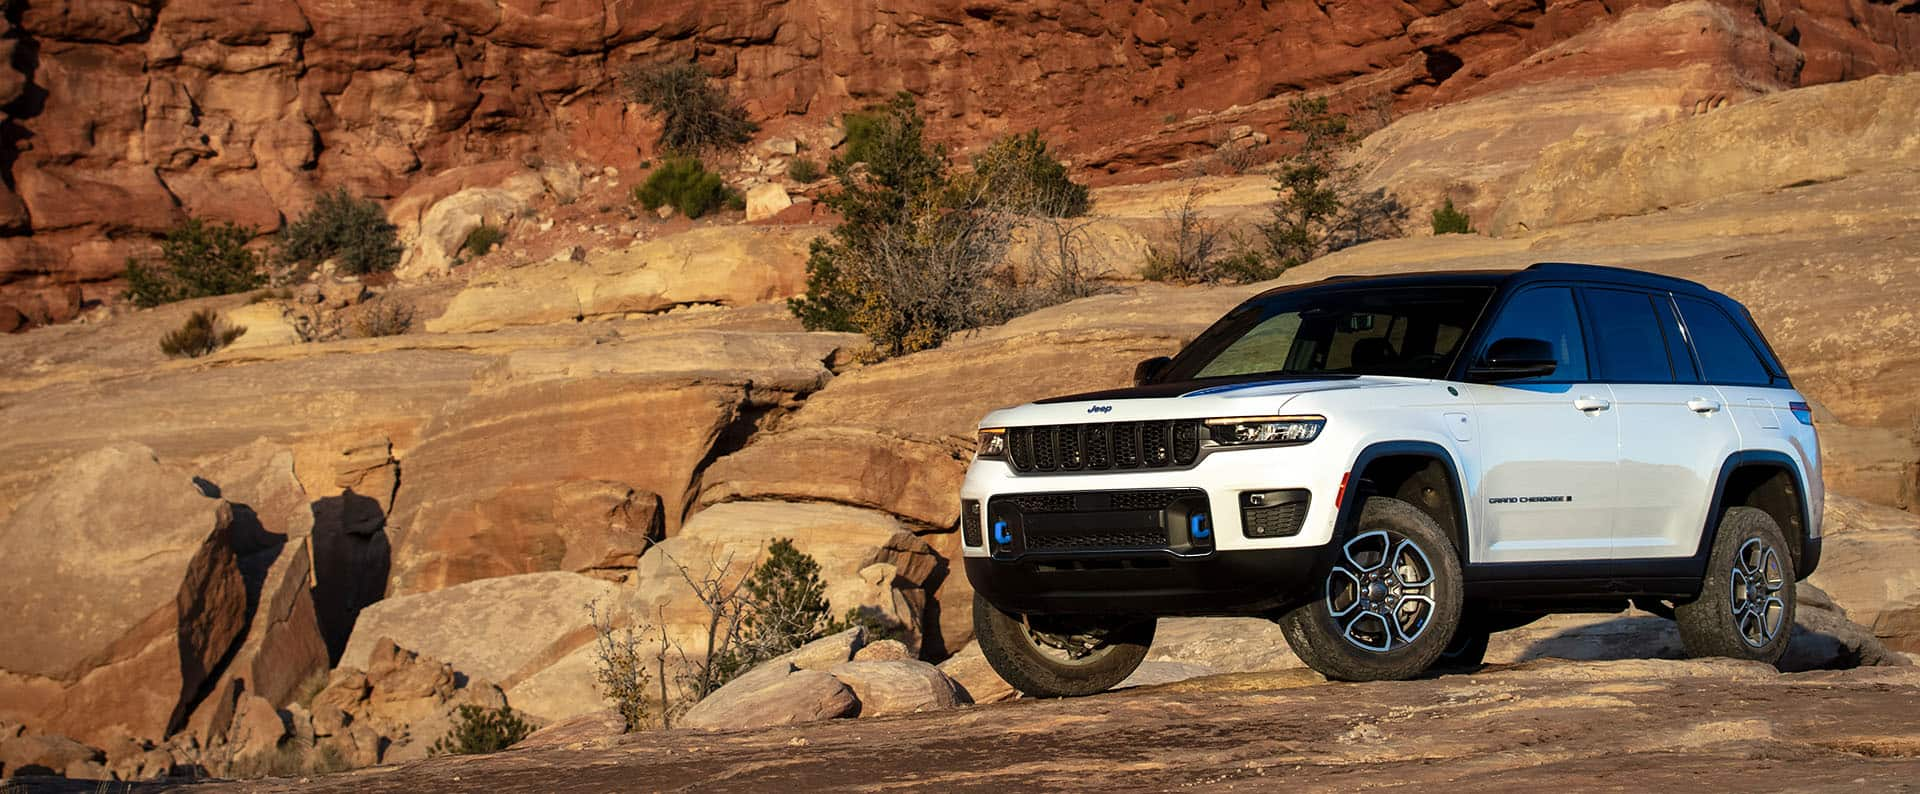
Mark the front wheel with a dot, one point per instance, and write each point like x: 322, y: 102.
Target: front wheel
x: 1746, y: 604
x: 1390, y: 600
x: 1055, y: 656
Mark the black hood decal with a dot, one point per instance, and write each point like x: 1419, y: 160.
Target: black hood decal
x: 1177, y: 388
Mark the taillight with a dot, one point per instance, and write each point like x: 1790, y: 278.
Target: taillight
x: 1802, y: 412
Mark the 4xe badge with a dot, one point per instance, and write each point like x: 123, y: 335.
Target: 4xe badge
x: 1099, y: 409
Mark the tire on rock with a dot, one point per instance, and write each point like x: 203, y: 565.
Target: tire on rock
x: 1746, y: 604
x: 1018, y: 647
x: 1390, y: 599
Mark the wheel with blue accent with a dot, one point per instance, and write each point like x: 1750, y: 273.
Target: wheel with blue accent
x: 1390, y: 598
x: 1052, y: 656
x: 1746, y: 604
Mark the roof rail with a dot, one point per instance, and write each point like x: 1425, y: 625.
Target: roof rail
x: 1604, y: 272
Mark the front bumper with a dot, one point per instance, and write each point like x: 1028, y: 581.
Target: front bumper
x: 1248, y: 582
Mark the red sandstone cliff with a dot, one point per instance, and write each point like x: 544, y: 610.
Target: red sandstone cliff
x: 123, y: 116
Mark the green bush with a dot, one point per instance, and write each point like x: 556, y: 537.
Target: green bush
x: 864, y: 129
x: 481, y: 730
x: 685, y: 185
x: 696, y: 114
x: 203, y: 333
x: 1447, y: 220
x: 917, y: 255
x: 1319, y: 209
x: 785, y: 608
x: 350, y: 230
x: 804, y: 170
x: 197, y: 260
x: 1018, y: 173
x: 482, y: 240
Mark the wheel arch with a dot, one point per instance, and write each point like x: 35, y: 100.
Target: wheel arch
x: 1768, y: 481
x: 1421, y: 473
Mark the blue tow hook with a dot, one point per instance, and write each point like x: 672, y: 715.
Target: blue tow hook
x: 1001, y: 534
x: 1197, y: 531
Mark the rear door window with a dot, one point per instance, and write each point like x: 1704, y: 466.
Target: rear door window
x: 1724, y: 351
x: 1626, y: 329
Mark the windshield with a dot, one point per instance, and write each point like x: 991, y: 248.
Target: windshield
x: 1409, y: 331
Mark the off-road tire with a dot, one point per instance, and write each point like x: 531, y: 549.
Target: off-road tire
x: 1323, y: 644
x: 1468, y: 650
x: 1011, y: 650
x: 1709, y: 625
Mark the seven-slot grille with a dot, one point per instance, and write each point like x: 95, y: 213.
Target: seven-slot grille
x: 1104, y: 446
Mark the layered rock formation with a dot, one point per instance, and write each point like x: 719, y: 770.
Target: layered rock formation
x: 122, y: 117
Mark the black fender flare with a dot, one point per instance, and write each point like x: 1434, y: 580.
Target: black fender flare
x: 1356, y: 490
x: 1807, y: 556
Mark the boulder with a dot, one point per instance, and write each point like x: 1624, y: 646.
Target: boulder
x: 766, y: 201
x: 773, y: 694
x: 970, y: 670
x: 649, y: 435
x: 500, y: 629
x: 1871, y: 565
x: 596, y: 527
x: 257, y: 729
x: 443, y: 228
x: 397, y: 707
x: 884, y: 651
x: 94, y: 656
x: 43, y: 754
x: 827, y: 652
x: 906, y: 686
x: 729, y: 539
x: 727, y: 265
x: 1791, y: 138
x: 911, y: 479
x: 268, y: 323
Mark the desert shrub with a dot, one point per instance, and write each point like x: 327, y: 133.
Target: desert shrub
x: 620, y: 671
x: 864, y: 129
x: 804, y: 170
x: 736, y: 201
x: 343, y: 227
x: 1023, y: 177
x: 479, y: 730
x: 917, y: 256
x: 1447, y: 220
x: 1319, y: 208
x: 684, y: 184
x: 786, y: 607
x: 483, y: 239
x: 696, y: 114
x: 203, y: 333
x: 384, y: 316
x: 1194, y: 250
x: 197, y: 260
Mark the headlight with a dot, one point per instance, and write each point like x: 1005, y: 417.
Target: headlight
x: 1246, y: 431
x: 993, y: 443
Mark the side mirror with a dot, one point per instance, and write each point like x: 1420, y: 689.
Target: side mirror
x: 1514, y: 358
x: 1145, y: 371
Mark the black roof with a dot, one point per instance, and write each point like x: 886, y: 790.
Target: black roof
x: 1543, y: 271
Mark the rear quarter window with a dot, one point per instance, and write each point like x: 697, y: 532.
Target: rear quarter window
x: 1724, y: 350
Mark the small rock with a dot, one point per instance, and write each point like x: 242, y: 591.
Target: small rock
x: 773, y: 694
x: 775, y: 147
x: 257, y: 727
x: 766, y: 201
x: 884, y: 651
x: 664, y: 212
x: 1259, y: 138
x: 1239, y: 132
x: 976, y: 677
x: 900, y: 687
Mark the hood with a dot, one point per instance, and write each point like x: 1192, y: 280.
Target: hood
x: 1188, y: 400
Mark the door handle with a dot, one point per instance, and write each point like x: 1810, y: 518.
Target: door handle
x: 1702, y: 406
x: 1592, y: 405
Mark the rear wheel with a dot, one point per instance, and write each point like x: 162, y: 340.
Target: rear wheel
x: 1057, y: 656
x: 1746, y: 604
x: 1390, y: 602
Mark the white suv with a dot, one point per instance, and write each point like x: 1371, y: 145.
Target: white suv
x: 1395, y: 467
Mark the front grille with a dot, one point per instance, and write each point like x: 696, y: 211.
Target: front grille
x: 1274, y: 521
x: 1103, y: 541
x: 1045, y: 503
x: 1104, y: 446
